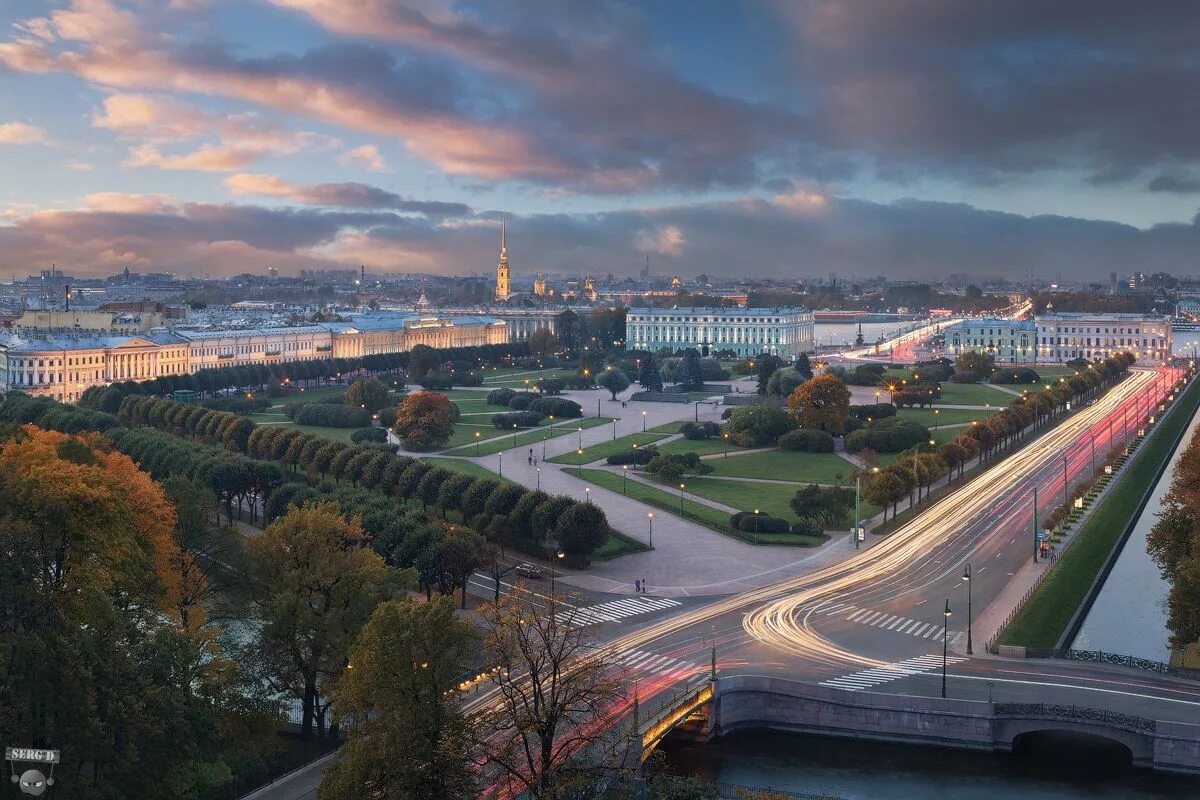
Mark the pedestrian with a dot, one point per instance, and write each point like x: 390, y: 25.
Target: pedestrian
x: 637, y: 585
x: 643, y: 585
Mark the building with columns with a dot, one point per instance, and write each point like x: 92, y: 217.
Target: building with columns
x: 63, y: 365
x: 1057, y: 338
x: 784, y: 332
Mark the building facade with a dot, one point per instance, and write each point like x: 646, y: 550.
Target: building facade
x: 784, y: 332
x: 1058, y: 338
x: 64, y: 365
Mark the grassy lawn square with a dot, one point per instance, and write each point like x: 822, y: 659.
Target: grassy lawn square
x: 784, y: 465
x: 606, y: 449
x: 945, y: 416
x: 974, y: 394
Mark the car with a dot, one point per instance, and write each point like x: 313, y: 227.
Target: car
x: 528, y: 570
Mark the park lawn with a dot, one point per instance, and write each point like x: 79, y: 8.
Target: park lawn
x: 616, y: 545
x: 465, y: 430
x: 320, y: 394
x: 945, y: 416
x: 769, y: 498
x: 472, y: 468
x: 606, y: 449
x: 704, y: 447
x: 669, y: 427
x: 659, y: 498
x: 784, y: 465
x: 524, y: 380
x: 1044, y: 619
x: 974, y: 394
x: 530, y: 436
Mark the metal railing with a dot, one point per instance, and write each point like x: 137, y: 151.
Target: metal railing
x: 1118, y: 659
x: 1075, y: 714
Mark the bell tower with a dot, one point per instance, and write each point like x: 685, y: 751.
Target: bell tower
x: 502, y: 285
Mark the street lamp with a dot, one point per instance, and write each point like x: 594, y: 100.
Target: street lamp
x: 624, y: 478
x: 643, y: 422
x: 726, y: 437
x: 614, y: 429
x: 650, y: 523
x: 514, y: 434
x: 477, y: 444
x: 967, y: 578
x: 756, y: 521
x: 681, y: 499
x: 935, y: 418
x: 500, y: 471
x: 539, y: 479
x: 580, y: 437
x: 579, y: 466
x: 945, y: 629
x: 587, y: 494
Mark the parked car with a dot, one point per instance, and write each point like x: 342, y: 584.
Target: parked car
x: 528, y: 570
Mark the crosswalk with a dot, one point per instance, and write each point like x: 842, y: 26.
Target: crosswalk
x: 655, y: 664
x: 897, y: 623
x: 867, y: 678
x: 616, y: 609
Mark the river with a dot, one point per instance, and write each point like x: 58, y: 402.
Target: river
x: 1057, y: 769
x: 1130, y: 613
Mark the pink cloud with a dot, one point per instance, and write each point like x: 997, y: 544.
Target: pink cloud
x: 21, y: 133
x: 207, y: 158
x: 366, y: 156
x: 131, y: 203
x: 263, y: 185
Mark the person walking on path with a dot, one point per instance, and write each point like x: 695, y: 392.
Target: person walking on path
x: 637, y: 585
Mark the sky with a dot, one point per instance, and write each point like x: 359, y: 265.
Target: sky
x: 765, y: 138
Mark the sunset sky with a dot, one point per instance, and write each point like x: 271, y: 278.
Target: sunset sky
x: 778, y: 138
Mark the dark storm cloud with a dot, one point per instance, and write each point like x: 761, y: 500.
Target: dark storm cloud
x: 1177, y: 183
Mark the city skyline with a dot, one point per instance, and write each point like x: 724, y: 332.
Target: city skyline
x: 772, y: 139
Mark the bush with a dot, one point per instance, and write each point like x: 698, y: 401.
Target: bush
x: 891, y: 435
x: 807, y: 526
x: 551, y: 386
x: 367, y: 435
x: 634, y: 455
x: 672, y: 467
x: 1015, y: 375
x: 578, y: 381
x: 328, y: 415
x: 873, y: 411
x: 521, y: 400
x: 472, y: 378
x: 807, y: 441
x: 758, y: 426
x: 965, y: 376
x: 697, y: 431
x: 435, y: 381
x: 520, y: 419
x: 763, y: 523
x: 557, y: 407
x: 500, y: 397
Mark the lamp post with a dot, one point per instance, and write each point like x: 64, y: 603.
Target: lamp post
x: 500, y: 470
x: 967, y: 578
x: 756, y: 522
x: 681, y: 499
x: 935, y: 419
x: 477, y: 444
x: 579, y: 466
x: 614, y: 429
x: 624, y: 478
x: 539, y: 479
x: 514, y: 434
x: 643, y: 422
x: 945, y: 629
x: 580, y: 437
x: 587, y: 494
x: 725, y: 436
x: 650, y: 524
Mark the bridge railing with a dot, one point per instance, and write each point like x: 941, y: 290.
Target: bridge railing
x: 1075, y: 714
x: 1119, y: 659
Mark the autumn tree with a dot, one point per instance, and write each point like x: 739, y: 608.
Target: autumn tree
x: 368, y: 393
x: 315, y: 585
x: 407, y: 734
x: 822, y: 403
x: 424, y: 421
x: 550, y: 727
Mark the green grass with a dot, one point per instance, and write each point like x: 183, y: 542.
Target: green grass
x: 1044, y: 619
x: 465, y: 430
x: 784, y: 465
x: 770, y: 498
x: 945, y: 416
x: 699, y: 513
x: 471, y: 468
x: 517, y: 379
x: 974, y: 394
x: 530, y: 436
x: 320, y: 394
x: 670, y: 427
x: 616, y: 545
x: 606, y: 449
x: 704, y: 447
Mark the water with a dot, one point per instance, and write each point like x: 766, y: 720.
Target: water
x: 1052, y: 769
x: 1130, y: 613
x: 842, y: 333
x: 1182, y: 342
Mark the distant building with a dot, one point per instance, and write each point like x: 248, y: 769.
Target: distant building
x: 539, y: 285
x: 784, y: 332
x: 1053, y: 338
x: 502, y: 276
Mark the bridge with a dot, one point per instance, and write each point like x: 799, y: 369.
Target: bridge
x: 709, y: 708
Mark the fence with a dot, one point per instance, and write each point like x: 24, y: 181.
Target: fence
x: 1119, y: 659
x: 1075, y: 714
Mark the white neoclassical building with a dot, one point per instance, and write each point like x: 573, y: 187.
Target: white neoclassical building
x: 1058, y: 338
x: 63, y: 365
x: 784, y: 332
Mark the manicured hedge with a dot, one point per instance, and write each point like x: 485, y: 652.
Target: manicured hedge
x: 557, y: 407
x: 521, y: 419
x: 807, y: 441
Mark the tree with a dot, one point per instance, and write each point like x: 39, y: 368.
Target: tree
x: 408, y: 736
x: 424, y: 421
x: 765, y: 366
x: 648, y: 375
x: 758, y: 426
x: 691, y: 375
x: 570, y: 331
x: 555, y: 700
x: 803, y: 367
x: 368, y: 393
x: 822, y: 403
x: 885, y: 488
x: 199, y: 543
x: 542, y: 342
x: 582, y: 529
x: 979, y: 363
x: 315, y: 585
x: 827, y: 505
x: 422, y: 359
x: 614, y: 380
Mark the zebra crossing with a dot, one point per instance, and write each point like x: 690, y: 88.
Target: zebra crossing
x: 892, y: 622
x: 616, y: 609
x: 655, y: 664
x: 865, y: 679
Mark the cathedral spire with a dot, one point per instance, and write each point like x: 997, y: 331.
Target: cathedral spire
x: 502, y: 277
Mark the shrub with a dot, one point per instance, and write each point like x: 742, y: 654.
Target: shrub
x: 500, y: 397
x: 674, y: 466
x: 699, y: 430
x: 762, y: 523
x: 757, y: 426
x: 807, y: 526
x: 891, y: 435
x: 472, y: 378
x: 873, y: 411
x: 521, y: 419
x: 521, y: 400
x: 328, y: 415
x: 557, y: 407
x: 807, y: 441
x: 551, y: 386
x: 635, y: 455
x: 965, y: 376
x: 435, y: 381
x: 367, y: 435
x: 1017, y: 375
